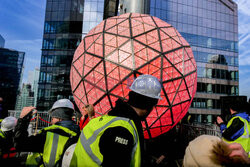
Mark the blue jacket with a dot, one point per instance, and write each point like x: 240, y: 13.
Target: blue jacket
x: 236, y: 129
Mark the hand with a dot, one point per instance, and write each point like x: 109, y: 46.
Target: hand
x: 26, y: 111
x: 88, y: 109
x: 219, y: 120
x: 238, y: 151
x: 160, y: 159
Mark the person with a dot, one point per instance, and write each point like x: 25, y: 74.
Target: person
x: 7, y: 149
x: 3, y: 110
x: 117, y: 139
x: 206, y: 150
x: 87, y: 114
x: 50, y: 143
x: 237, y: 129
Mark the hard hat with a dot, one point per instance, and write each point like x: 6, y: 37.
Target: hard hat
x: 147, y: 85
x: 8, y: 123
x: 62, y: 103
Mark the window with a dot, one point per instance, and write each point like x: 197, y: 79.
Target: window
x: 209, y: 42
x: 63, y: 27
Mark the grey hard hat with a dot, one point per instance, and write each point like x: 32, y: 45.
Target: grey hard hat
x: 62, y: 103
x: 8, y: 123
x: 147, y: 85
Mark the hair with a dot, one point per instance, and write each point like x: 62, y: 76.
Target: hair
x: 141, y: 101
x: 239, y: 106
x: 220, y: 155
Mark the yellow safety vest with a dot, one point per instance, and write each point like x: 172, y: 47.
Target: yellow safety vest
x: 244, y: 139
x: 34, y: 159
x: 53, y: 147
x: 2, y: 135
x: 87, y: 152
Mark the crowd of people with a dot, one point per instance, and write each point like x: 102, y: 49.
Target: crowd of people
x: 117, y: 139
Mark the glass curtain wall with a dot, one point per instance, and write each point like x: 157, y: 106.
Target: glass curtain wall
x: 11, y: 71
x: 211, y: 28
x: 62, y: 34
x: 93, y: 14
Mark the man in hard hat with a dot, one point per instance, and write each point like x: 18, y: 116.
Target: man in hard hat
x: 237, y: 130
x: 50, y: 143
x: 117, y: 139
x: 7, y: 149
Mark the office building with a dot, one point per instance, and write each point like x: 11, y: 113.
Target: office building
x: 66, y: 23
x: 2, y: 42
x: 25, y: 97
x: 33, y: 77
x: 211, y: 28
x: 62, y: 34
x: 11, y: 71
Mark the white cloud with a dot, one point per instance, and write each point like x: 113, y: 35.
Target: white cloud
x: 244, y: 32
x: 244, y: 85
x: 244, y: 38
x: 244, y: 25
x: 244, y: 71
x: 244, y: 59
x: 31, y: 47
x: 243, y: 6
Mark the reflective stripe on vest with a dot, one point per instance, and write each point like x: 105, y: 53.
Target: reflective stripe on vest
x: 2, y: 135
x: 244, y: 139
x: 246, y: 128
x: 54, y: 145
x: 93, y: 133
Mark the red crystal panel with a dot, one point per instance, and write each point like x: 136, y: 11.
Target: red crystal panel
x: 123, y: 47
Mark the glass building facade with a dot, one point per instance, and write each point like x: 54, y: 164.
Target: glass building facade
x: 66, y: 23
x: 211, y: 28
x: 93, y: 14
x: 62, y: 34
x: 2, y: 41
x: 11, y: 70
x: 25, y: 98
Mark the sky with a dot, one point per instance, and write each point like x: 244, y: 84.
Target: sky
x: 21, y: 26
x: 22, y: 23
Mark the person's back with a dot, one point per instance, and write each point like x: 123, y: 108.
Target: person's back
x: 237, y: 130
x: 54, y: 140
x: 58, y: 138
x: 116, y: 139
x: 50, y: 143
x: 6, y: 143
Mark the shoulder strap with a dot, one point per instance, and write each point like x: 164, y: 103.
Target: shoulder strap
x: 71, y: 140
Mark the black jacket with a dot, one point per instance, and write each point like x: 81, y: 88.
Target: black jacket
x: 25, y: 143
x: 116, y: 153
x: 6, y: 143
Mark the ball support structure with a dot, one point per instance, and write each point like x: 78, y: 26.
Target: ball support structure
x: 123, y: 47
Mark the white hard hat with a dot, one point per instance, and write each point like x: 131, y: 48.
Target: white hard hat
x: 62, y: 103
x: 8, y: 123
x: 147, y: 85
